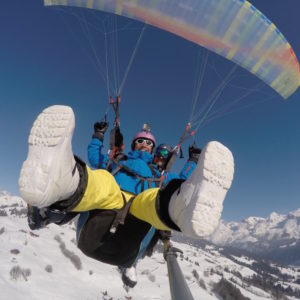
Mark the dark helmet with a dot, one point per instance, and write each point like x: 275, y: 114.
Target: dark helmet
x: 163, y: 151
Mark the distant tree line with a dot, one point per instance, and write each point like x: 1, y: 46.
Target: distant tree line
x: 269, y: 284
x: 227, y: 291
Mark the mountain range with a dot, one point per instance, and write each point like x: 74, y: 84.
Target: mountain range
x: 276, y: 237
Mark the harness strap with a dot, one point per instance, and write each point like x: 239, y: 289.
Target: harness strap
x: 116, y: 158
x: 116, y: 170
x: 132, y: 173
x: 152, y: 170
x: 121, y: 214
x: 108, y: 165
x: 156, y: 180
x: 149, y: 181
x: 142, y: 181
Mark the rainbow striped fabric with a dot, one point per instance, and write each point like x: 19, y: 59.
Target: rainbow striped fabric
x: 234, y: 29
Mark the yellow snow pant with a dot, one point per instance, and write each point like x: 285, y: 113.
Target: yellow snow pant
x: 103, y: 192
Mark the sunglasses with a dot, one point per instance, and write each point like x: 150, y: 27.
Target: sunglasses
x: 144, y: 141
x: 164, y: 153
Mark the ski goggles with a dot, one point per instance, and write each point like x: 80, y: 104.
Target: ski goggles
x: 144, y: 141
x: 164, y: 153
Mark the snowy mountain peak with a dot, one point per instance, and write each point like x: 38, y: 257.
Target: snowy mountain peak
x: 275, y: 217
x: 277, y: 236
x: 252, y: 221
x: 295, y: 213
x: 3, y: 193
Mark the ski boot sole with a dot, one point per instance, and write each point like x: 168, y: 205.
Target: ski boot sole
x: 200, y: 202
x: 49, y: 140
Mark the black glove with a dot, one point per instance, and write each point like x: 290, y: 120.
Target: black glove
x: 194, y: 153
x: 99, y: 130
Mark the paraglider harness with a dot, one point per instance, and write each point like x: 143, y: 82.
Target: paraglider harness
x: 122, y: 213
x: 130, y: 172
x: 116, y: 156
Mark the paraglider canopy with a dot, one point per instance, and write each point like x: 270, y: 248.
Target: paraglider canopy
x: 234, y: 29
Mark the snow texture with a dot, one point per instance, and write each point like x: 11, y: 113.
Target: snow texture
x: 46, y: 264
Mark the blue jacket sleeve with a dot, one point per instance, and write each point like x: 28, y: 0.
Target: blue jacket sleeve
x: 187, y: 170
x: 96, y: 158
x: 185, y: 173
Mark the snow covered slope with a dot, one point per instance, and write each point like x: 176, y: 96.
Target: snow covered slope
x: 276, y: 237
x: 46, y: 264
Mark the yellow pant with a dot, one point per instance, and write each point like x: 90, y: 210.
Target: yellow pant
x: 103, y: 192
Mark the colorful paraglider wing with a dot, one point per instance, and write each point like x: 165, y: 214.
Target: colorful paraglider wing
x: 234, y: 29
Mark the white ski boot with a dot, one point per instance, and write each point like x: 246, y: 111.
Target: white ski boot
x: 49, y: 173
x: 197, y: 205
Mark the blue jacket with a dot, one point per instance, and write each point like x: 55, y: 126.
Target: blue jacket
x: 138, y: 162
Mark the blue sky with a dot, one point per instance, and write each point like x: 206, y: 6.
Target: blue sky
x: 46, y: 59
